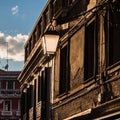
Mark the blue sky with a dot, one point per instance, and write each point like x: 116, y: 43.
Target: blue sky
x: 17, y: 19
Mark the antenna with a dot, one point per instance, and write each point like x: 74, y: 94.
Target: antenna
x: 6, y: 66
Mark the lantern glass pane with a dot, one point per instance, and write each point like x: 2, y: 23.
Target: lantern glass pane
x: 44, y: 44
x: 51, y: 42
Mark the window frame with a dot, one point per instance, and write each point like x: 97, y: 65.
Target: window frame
x: 13, y: 85
x: 4, y: 105
x: 110, y: 36
x: 39, y: 88
x: 3, y: 84
x: 64, y: 85
x: 94, y: 65
x: 19, y: 105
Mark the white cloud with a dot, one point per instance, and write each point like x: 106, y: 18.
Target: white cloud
x: 15, y: 46
x: 1, y: 34
x: 15, y: 10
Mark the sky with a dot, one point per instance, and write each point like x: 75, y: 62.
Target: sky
x: 17, y: 19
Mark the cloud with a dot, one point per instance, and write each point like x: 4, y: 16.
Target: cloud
x: 15, y: 46
x: 15, y: 10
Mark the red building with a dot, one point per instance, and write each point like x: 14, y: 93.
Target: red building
x: 9, y: 95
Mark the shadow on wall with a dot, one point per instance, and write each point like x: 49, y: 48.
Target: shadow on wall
x: 81, y: 6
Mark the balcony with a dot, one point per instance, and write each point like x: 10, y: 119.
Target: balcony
x: 60, y: 7
x: 113, y: 71
x: 6, y: 113
x: 9, y: 93
x: 18, y: 113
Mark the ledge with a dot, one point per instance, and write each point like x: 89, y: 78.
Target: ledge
x: 106, y: 110
x: 79, y: 114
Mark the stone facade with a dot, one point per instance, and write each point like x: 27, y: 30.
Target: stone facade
x: 10, y: 95
x: 81, y: 80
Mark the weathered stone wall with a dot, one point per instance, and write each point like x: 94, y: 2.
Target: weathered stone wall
x: 82, y: 101
x: 95, y: 92
x: 76, y: 59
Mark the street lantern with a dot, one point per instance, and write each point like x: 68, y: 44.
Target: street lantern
x: 50, y: 42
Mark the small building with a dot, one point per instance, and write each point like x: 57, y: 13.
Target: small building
x: 10, y: 96
x: 81, y: 80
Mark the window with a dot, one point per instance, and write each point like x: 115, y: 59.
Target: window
x: 38, y: 29
x: 71, y: 2
x: 7, y: 105
x: 34, y: 37
x: 39, y: 88
x: 89, y: 61
x: 19, y: 105
x: 64, y: 70
x: 45, y: 88
x: 34, y: 100
x: 34, y: 93
x: 10, y: 85
x: 112, y: 22
x: 3, y: 84
x: 26, y: 51
x: 30, y: 44
x: 23, y: 101
x: 57, y: 5
x: 31, y: 96
x: 46, y: 17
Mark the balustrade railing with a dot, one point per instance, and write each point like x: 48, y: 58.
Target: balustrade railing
x: 4, y: 92
x: 6, y: 113
x: 18, y: 113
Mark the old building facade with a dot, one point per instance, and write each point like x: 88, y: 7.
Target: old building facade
x: 81, y: 80
x: 10, y: 95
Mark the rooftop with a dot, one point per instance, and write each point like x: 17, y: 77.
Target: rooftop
x: 8, y: 75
